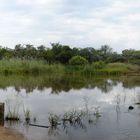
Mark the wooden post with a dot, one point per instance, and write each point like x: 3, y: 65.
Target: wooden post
x: 1, y: 114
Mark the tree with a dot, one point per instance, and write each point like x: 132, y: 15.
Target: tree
x: 30, y: 52
x: 62, y: 53
x: 128, y: 54
x: 131, y: 56
x: 65, y: 54
x: 19, y: 51
x: 49, y: 56
x: 105, y: 52
x: 88, y: 54
x: 105, y: 49
x: 41, y: 52
x: 75, y: 51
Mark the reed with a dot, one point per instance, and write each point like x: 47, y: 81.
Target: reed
x: 27, y: 115
x: 37, y: 67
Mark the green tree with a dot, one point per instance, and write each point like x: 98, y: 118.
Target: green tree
x: 65, y: 54
x: 19, y: 51
x: 49, y: 56
x: 88, y: 54
x: 105, y: 52
x: 30, y: 52
x: 41, y: 52
x: 128, y: 54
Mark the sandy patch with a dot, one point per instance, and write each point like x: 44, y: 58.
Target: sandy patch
x: 8, y: 134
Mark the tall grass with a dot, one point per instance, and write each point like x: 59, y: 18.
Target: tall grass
x: 111, y: 69
x: 121, y: 68
x: 12, y: 112
x: 28, y: 67
x: 17, y: 66
x: 27, y: 114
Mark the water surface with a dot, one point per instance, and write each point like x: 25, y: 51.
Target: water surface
x: 61, y: 93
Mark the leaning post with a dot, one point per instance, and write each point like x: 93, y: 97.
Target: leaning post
x: 1, y: 114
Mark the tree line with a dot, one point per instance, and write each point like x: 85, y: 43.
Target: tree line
x: 59, y: 53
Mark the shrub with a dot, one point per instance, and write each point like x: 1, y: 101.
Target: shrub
x: 98, y: 65
x: 78, y: 60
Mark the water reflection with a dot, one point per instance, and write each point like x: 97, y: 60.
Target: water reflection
x: 110, y: 96
x: 59, y: 83
x: 118, y: 109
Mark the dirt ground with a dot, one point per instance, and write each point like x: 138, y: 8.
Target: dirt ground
x: 8, y: 134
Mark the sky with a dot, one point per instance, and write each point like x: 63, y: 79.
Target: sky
x: 78, y: 23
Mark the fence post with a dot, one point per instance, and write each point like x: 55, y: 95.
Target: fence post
x: 1, y: 114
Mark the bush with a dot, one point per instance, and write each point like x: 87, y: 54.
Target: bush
x: 78, y: 60
x: 99, y: 65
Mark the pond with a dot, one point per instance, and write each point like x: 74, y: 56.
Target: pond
x: 57, y: 94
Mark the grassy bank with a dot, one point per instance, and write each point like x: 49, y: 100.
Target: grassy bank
x: 41, y: 67
x: 105, y: 69
x: 28, y: 67
x: 113, y: 69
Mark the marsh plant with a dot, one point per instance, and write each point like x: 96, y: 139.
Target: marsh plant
x: 89, y: 109
x: 54, y: 120
x: 74, y: 118
x: 86, y: 104
x: 12, y: 115
x: 12, y: 112
x: 27, y: 114
x: 97, y: 112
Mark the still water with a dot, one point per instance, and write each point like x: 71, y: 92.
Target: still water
x: 58, y: 94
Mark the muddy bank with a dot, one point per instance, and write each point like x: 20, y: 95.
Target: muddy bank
x: 8, y: 134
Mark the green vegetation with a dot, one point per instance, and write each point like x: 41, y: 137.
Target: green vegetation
x: 54, y: 120
x: 27, y: 114
x: 100, y: 68
x: 12, y: 116
x: 74, y: 118
x: 78, y: 60
x: 63, y: 53
x: 28, y: 67
x: 35, y: 67
x: 12, y: 112
x: 27, y: 59
x: 65, y: 82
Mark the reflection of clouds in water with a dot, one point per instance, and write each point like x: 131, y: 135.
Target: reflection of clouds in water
x: 74, y: 98
x: 109, y: 100
x: 42, y: 102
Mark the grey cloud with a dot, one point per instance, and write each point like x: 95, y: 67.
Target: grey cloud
x: 76, y: 22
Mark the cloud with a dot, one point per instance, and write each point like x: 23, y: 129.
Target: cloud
x: 79, y: 23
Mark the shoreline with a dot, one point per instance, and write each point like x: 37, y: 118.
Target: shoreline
x: 10, y: 134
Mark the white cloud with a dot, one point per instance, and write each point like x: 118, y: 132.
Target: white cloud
x: 78, y: 23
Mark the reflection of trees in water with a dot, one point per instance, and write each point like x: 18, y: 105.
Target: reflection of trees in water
x: 107, y: 85
x: 131, y: 81
x: 117, y: 108
x: 53, y: 131
x: 68, y: 83
x: 60, y: 83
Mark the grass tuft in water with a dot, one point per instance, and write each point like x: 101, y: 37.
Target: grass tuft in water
x: 54, y: 120
x: 13, y: 112
x: 12, y: 115
x: 27, y: 115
